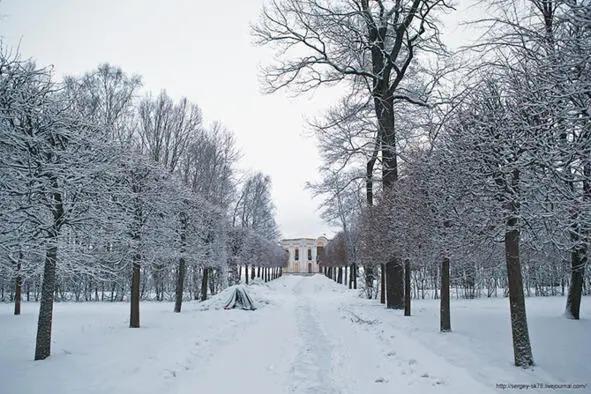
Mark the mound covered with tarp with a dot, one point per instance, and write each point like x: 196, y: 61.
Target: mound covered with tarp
x: 239, y: 298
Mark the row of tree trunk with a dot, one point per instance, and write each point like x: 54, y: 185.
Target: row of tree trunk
x: 345, y: 274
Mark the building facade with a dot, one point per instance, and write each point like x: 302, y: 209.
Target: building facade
x: 303, y: 254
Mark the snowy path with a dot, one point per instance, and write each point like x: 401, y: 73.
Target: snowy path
x: 309, y: 343
x: 310, y: 336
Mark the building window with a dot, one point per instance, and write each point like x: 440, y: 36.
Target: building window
x: 309, y: 254
x: 297, y: 254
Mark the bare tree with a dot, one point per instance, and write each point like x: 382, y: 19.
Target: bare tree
x: 106, y: 97
x: 373, y: 46
x: 208, y: 166
x: 167, y: 129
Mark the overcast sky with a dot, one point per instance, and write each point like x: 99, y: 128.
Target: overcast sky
x: 198, y: 49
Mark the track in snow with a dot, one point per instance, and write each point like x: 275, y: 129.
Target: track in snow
x: 311, y: 369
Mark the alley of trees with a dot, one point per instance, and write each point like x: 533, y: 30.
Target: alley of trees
x: 451, y: 172
x: 111, y: 194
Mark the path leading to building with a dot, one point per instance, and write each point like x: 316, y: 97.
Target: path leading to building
x: 308, y: 336
x: 311, y: 341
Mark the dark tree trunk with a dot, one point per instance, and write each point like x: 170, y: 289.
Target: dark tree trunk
x: 258, y: 272
x: 521, y: 344
x: 252, y: 272
x: 18, y: 285
x: 246, y: 273
x: 384, y: 106
x: 575, y: 290
x: 134, y: 315
x: 180, y: 281
x: 444, y: 309
x: 578, y: 261
x: 382, y: 283
x: 43, y: 343
x: 406, y: 288
x: 394, y: 285
x: 340, y: 275
x: 355, y: 276
x: 43, y: 340
x: 204, y: 283
x: 182, y: 268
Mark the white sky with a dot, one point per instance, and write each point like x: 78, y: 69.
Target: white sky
x: 198, y: 49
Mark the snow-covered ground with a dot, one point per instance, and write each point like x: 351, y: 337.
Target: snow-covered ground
x: 309, y: 335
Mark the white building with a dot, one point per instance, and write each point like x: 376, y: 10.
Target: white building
x: 303, y: 254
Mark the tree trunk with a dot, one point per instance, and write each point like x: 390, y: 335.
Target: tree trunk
x: 521, y: 344
x: 182, y: 268
x: 258, y: 272
x: 384, y: 107
x: 382, y: 283
x: 180, y: 281
x: 246, y: 273
x: 18, y: 285
x: 43, y: 340
x: 204, y: 281
x: 578, y: 258
x: 406, y: 287
x: 575, y: 290
x: 444, y: 309
x: 43, y: 343
x: 252, y: 273
x: 134, y: 315
x: 394, y: 289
